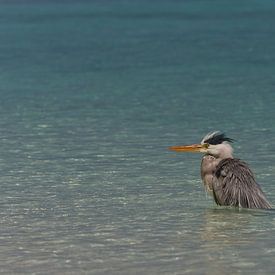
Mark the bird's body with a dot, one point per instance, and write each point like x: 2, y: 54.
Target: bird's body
x: 228, y: 179
x: 232, y: 183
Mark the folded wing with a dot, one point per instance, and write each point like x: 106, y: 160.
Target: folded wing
x: 235, y: 185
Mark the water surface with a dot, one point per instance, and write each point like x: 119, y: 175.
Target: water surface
x: 92, y: 94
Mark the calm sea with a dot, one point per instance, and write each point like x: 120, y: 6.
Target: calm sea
x: 92, y: 94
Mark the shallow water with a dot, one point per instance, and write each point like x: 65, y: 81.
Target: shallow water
x: 92, y: 94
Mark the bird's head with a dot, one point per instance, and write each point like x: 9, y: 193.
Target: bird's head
x: 215, y: 143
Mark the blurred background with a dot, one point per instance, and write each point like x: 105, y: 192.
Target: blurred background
x: 92, y: 95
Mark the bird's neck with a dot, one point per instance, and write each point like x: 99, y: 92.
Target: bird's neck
x: 226, y: 154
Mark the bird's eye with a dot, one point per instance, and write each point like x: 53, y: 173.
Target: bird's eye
x: 206, y: 145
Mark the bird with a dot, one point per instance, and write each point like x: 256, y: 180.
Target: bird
x: 230, y: 180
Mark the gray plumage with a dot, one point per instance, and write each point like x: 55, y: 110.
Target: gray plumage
x: 234, y: 185
x: 229, y: 180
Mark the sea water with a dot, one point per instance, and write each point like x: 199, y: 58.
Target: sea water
x: 92, y: 95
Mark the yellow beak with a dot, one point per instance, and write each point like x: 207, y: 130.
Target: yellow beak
x: 189, y: 148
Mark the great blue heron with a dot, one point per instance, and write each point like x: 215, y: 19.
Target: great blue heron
x: 228, y: 179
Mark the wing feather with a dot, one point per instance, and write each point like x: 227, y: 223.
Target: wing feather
x: 235, y: 185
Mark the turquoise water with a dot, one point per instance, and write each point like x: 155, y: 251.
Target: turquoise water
x: 92, y: 94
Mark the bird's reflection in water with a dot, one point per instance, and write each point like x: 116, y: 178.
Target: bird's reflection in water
x: 225, y: 225
x: 226, y: 234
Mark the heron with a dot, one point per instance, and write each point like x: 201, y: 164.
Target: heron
x: 228, y: 179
